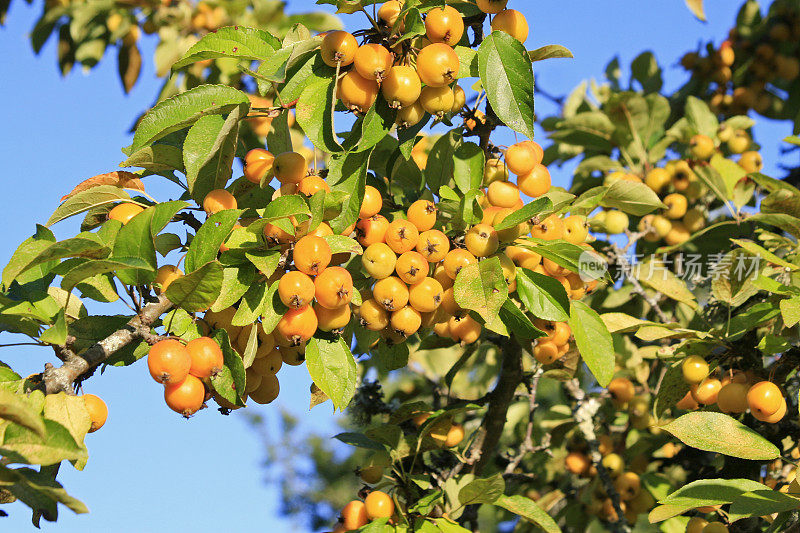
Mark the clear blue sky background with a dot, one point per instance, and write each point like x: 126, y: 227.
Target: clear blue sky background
x: 150, y: 470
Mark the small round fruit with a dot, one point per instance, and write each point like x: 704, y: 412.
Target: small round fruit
x: 401, y: 86
x: 732, y: 398
x: 616, y: 222
x: 410, y: 115
x: 379, y: 260
x: 454, y: 436
x: 549, y: 229
x: 492, y: 7
x: 775, y: 417
x: 357, y: 93
x: 628, y: 485
x: 338, y: 47
x: 371, y: 230
x: 411, y: 267
x: 401, y: 236
x: 657, y: 179
x: 437, y: 100
x: 503, y: 194
x: 444, y: 25
x: 751, y: 162
x: 312, y: 255
x: 388, y: 13
x: 378, y: 505
x: 391, y: 293
x: 511, y: 22
x: 676, y: 206
x: 715, y: 527
x: 372, y: 61
x: 694, y: 369
x: 332, y: 319
x: 206, y: 356
x: 267, y: 391
x: 546, y: 352
x: 701, y: 147
x: 464, y: 329
x: 371, y: 474
x: 536, y: 182
x: 576, y: 230
x: 185, y: 397
x: 258, y: 164
x: 165, y: 275
x: 354, y: 514
x: 457, y: 259
x: 311, y: 185
x: 290, y: 167
x: 422, y: 214
x: 433, y: 245
x: 270, y: 363
x: 694, y: 220
x: 168, y: 361
x: 296, y: 326
x: 577, y: 463
x: 97, y: 409
x: 372, y: 202
x: 521, y: 157
x: 482, y: 240
x: 459, y: 99
x: 406, y: 321
x: 764, y: 399
x: 425, y: 296
x: 334, y: 287
x: 706, y: 392
x: 373, y: 315
x: 621, y: 389
x: 437, y: 65
x: 124, y: 212
x: 218, y: 200
x: 296, y: 289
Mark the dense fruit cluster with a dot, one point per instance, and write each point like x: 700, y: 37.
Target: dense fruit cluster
x: 679, y: 188
x: 754, y: 66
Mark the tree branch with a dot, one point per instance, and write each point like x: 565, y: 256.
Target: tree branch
x: 584, y: 412
x: 58, y: 379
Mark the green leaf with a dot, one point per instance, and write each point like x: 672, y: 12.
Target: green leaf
x: 440, y: 168
x: 348, y: 174
x: 251, y: 306
x: 57, y: 333
x: 375, y: 125
x: 230, y: 381
x: 27, y: 252
x: 197, y: 290
x: 137, y: 239
x: 790, y: 310
x: 551, y: 51
x: 507, y: 77
x: 156, y: 158
x: 527, y: 212
x: 718, y: 432
x: 519, y: 324
x: 39, y: 491
x: 482, y: 288
x: 341, y: 244
x: 18, y: 409
x: 635, y: 198
x: 701, y: 118
x: 529, y: 511
x: 237, y: 42
x: 673, y: 388
x: 761, y: 503
x: 332, y: 367
x: 314, y: 112
x: 593, y: 341
x: 467, y: 61
x: 701, y: 493
x: 90, y: 269
x: 86, y: 200
x: 184, y: 109
x: 658, y: 276
x: 544, y: 296
x: 468, y: 163
x: 208, y: 152
x: 206, y: 242
x: 762, y: 253
x: 482, y: 490
x: 69, y: 411
x: 23, y: 446
x: 273, y: 309
x: 86, y: 245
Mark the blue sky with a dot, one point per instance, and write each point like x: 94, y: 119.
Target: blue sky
x: 150, y: 470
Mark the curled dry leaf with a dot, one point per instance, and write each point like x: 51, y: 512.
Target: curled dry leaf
x: 120, y: 178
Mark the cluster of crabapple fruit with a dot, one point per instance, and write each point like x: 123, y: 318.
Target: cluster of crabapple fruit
x: 679, y: 188
x: 182, y: 369
x: 414, y: 84
x: 742, y: 69
x: 733, y: 393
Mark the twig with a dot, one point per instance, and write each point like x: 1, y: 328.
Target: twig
x: 585, y: 409
x: 527, y: 445
x: 58, y: 379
